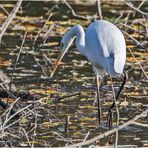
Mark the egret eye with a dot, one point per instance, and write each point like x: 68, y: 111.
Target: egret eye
x: 61, y: 46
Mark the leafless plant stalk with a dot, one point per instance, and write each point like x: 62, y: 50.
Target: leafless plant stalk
x: 18, y: 58
x: 138, y: 63
x: 87, y: 142
x: 140, y: 124
x: 99, y: 11
x: 76, y: 15
x: 9, y: 19
x: 4, y: 10
x: 136, y: 9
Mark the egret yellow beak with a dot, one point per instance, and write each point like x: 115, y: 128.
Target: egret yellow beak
x: 60, y: 57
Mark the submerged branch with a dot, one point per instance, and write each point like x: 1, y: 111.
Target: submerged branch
x: 21, y: 94
x: 9, y: 19
x: 110, y: 131
x: 136, y: 9
x: 76, y: 15
x: 99, y: 12
x: 138, y: 63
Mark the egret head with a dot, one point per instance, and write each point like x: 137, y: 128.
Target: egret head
x: 66, y: 42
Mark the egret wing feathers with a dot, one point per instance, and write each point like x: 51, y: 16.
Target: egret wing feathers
x: 106, y: 44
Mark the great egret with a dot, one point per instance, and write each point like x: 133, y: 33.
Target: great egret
x: 104, y: 46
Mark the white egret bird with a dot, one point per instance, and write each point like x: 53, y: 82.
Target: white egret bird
x: 104, y: 46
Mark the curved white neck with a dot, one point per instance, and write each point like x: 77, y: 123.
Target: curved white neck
x: 79, y: 33
x: 80, y: 39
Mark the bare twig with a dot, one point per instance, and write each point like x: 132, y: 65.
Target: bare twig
x: 140, y: 124
x: 131, y: 28
x: 47, y: 59
x: 27, y: 137
x: 45, y: 37
x: 136, y: 9
x: 8, y: 92
x: 86, y: 136
x: 128, y: 15
x: 9, y: 19
x: 136, y: 41
x: 110, y: 131
x: 18, y: 58
x: 138, y: 63
x: 36, y: 37
x: 76, y: 15
x: 8, y: 134
x: 4, y: 10
x: 42, y: 29
x: 35, y: 129
x: 5, y: 127
x: 99, y: 12
x: 42, y: 68
x: 118, y: 18
x: 67, y: 96
x: 66, y: 125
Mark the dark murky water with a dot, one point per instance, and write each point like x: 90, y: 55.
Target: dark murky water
x: 74, y: 75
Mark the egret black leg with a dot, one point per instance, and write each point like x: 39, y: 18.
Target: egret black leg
x: 110, y: 114
x: 98, y: 97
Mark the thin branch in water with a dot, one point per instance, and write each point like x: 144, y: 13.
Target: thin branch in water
x: 18, y: 58
x: 138, y: 63
x: 140, y: 124
x: 128, y: 15
x: 99, y: 12
x: 24, y: 131
x: 5, y: 127
x: 4, y: 10
x: 136, y: 9
x: 45, y: 37
x: 143, y: 1
x: 10, y: 18
x: 131, y: 28
x: 137, y: 42
x: 86, y: 136
x: 35, y: 128
x: 36, y: 37
x: 118, y: 18
x: 8, y: 92
x: 42, y: 68
x: 50, y: 15
x: 110, y: 131
x: 66, y: 126
x: 76, y: 15
x: 67, y: 96
x: 47, y: 59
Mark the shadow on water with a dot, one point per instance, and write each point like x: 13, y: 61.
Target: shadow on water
x: 75, y: 75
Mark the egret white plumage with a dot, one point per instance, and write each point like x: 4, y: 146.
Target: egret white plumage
x: 104, y: 46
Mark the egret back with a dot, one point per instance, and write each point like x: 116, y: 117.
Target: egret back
x: 105, y: 47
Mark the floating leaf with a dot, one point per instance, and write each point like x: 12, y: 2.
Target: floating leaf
x: 53, y: 44
x: 87, y: 119
x: 30, y: 27
x: 124, y: 103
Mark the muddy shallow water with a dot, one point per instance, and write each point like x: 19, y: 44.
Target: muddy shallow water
x: 74, y: 81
